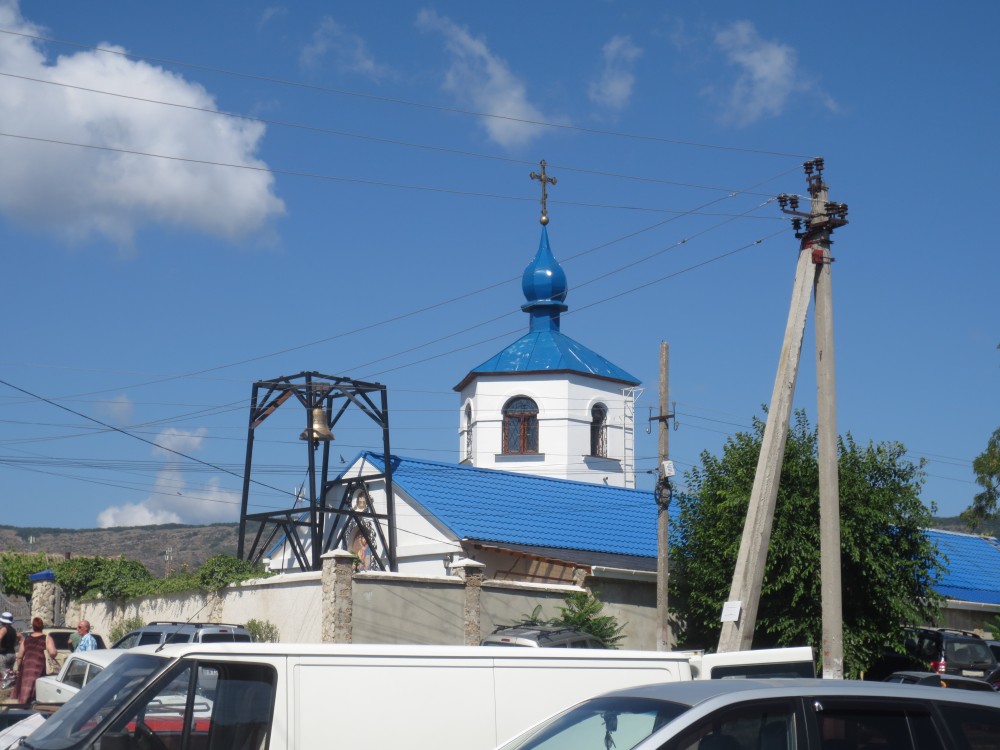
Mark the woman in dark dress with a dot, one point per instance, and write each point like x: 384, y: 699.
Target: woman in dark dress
x: 31, y: 654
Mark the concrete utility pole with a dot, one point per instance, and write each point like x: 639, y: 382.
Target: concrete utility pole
x: 739, y: 616
x: 664, y: 493
x: 829, y: 481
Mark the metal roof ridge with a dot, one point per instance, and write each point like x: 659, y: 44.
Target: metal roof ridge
x: 512, y: 474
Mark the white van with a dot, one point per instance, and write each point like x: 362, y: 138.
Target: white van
x: 283, y: 696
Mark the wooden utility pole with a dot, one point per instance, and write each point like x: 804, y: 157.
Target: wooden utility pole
x: 663, y: 495
x: 739, y: 616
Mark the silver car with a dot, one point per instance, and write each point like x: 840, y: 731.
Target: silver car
x: 773, y: 715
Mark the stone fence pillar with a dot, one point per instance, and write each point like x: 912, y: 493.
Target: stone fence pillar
x: 471, y: 572
x: 45, y: 598
x: 338, y: 596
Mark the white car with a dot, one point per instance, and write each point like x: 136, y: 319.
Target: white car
x: 78, y: 669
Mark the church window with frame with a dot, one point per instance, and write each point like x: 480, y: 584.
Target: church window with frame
x: 599, y: 431
x: 520, y: 426
x: 468, y: 431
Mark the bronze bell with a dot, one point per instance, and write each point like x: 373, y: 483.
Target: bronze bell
x: 320, y: 430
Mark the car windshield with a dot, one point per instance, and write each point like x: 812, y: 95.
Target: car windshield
x: 619, y: 723
x: 90, y: 709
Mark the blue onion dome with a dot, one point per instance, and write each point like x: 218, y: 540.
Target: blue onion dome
x: 544, y: 281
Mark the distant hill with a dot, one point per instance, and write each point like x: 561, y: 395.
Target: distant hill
x: 188, y: 545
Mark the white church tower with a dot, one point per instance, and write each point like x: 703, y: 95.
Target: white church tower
x: 547, y: 405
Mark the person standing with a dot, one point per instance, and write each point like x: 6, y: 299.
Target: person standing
x: 8, y: 649
x: 8, y: 640
x: 87, y: 641
x: 31, y: 653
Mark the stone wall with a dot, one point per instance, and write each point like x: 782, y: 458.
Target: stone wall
x: 341, y: 606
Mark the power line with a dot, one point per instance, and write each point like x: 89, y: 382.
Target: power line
x: 403, y: 102
x: 443, y: 303
x: 136, y: 437
x: 375, y: 139
x: 592, y: 304
x: 363, y: 180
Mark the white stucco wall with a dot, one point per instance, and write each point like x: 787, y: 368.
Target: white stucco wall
x: 564, y: 417
x: 292, y: 602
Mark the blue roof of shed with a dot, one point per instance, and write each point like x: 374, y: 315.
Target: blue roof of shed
x: 492, y: 505
x: 972, y: 563
x: 549, y: 351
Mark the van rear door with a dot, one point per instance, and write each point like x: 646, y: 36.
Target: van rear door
x: 796, y: 661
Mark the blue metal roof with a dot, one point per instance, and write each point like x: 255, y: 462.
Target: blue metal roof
x: 972, y: 562
x: 549, y: 351
x: 505, y: 507
x: 501, y: 506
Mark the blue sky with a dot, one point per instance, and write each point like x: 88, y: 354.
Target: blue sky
x: 198, y: 196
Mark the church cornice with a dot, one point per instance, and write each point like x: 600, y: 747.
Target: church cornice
x: 534, y: 373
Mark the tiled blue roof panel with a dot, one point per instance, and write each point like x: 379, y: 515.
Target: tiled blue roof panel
x: 501, y: 506
x: 541, y: 351
x: 973, y: 564
x: 504, y: 507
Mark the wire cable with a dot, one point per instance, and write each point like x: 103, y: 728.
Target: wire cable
x: 137, y: 437
x: 375, y: 139
x: 403, y: 102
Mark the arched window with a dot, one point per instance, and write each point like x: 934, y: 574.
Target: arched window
x: 520, y: 426
x: 599, y: 431
x: 468, y: 431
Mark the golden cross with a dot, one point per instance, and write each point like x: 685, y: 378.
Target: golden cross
x: 543, y: 178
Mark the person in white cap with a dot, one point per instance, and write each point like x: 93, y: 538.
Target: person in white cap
x: 8, y: 641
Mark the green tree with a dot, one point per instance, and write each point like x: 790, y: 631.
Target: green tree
x: 583, y: 612
x: 78, y: 576
x: 263, y: 631
x: 16, y: 569
x: 120, y: 579
x: 987, y: 467
x: 889, y: 565
x: 221, y: 570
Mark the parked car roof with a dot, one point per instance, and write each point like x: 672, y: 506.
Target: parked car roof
x: 184, y: 632
x: 936, y: 679
x: 542, y: 636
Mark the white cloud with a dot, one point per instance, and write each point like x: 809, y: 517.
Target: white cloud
x: 770, y: 75
x: 134, y: 515
x: 483, y: 82
x: 171, y: 499
x: 118, y: 409
x: 270, y: 13
x: 178, y: 440
x: 349, y: 51
x: 613, y: 87
x: 83, y: 192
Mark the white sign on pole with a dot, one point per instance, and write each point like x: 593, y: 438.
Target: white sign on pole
x: 731, y: 612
